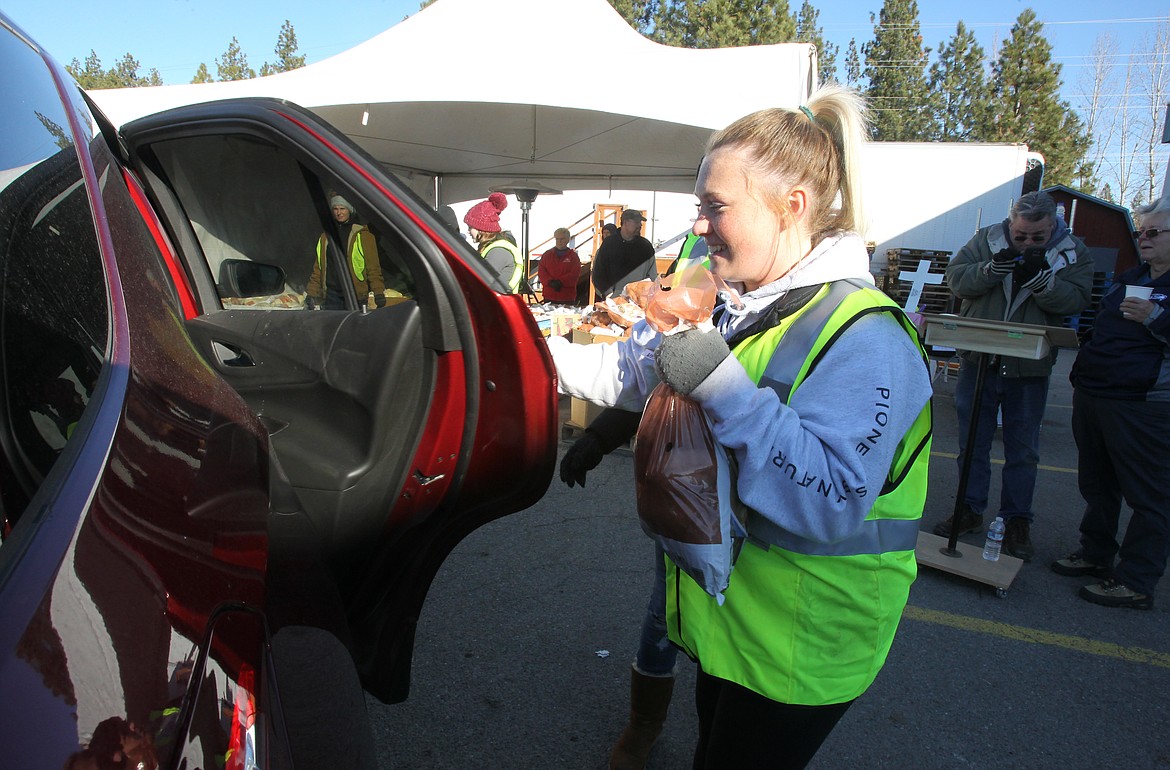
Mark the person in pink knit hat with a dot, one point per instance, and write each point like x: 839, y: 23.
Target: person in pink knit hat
x: 496, y: 246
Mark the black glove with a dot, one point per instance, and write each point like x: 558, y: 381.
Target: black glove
x: 1038, y: 282
x: 609, y: 430
x: 1034, y: 271
x: 581, y: 458
x: 1003, y: 262
x: 555, y: 285
x: 685, y: 359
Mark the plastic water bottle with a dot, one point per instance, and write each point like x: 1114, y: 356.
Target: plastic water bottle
x: 994, y: 542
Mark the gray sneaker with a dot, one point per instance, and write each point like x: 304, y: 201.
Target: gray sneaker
x: 1112, y: 593
x: 1076, y: 566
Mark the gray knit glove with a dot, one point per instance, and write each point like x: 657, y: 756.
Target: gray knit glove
x: 685, y: 359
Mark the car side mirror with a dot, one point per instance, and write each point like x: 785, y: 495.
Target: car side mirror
x: 244, y: 278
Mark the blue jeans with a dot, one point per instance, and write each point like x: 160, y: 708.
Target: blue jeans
x: 1022, y: 400
x: 656, y: 654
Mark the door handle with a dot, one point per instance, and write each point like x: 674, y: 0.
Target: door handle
x: 231, y: 355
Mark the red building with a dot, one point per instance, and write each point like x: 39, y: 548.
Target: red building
x: 1106, y: 228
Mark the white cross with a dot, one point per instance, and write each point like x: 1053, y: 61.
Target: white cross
x: 920, y: 276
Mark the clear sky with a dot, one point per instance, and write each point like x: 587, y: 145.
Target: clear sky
x: 175, y: 36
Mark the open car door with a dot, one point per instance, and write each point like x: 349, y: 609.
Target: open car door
x: 398, y: 421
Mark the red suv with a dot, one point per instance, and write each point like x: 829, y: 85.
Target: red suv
x: 221, y: 508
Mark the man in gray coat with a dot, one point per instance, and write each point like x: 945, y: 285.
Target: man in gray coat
x: 1027, y: 269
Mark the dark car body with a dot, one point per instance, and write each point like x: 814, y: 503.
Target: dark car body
x: 221, y: 514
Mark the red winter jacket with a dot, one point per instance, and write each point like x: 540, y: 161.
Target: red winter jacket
x: 563, y: 266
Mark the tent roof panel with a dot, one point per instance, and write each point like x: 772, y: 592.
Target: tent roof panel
x: 446, y: 98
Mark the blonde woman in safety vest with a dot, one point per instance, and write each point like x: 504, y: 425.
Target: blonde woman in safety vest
x: 365, y: 269
x: 818, y: 387
x: 495, y: 246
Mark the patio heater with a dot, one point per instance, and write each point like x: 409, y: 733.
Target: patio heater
x: 525, y: 192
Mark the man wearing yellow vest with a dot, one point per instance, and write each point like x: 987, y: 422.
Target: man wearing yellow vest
x: 361, y: 256
x: 816, y: 386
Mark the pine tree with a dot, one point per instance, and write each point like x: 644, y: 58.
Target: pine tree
x: 710, y: 23
x: 1025, y: 105
x: 286, y: 52
x: 675, y: 23
x: 90, y: 74
x: 60, y: 137
x: 202, y: 75
x: 958, y: 86
x: 233, y: 65
x: 124, y: 73
x: 895, y: 66
x: 639, y: 13
x: 808, y: 31
x: 728, y: 23
x: 852, y: 64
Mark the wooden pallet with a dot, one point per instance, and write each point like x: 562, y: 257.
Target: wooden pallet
x: 936, y: 298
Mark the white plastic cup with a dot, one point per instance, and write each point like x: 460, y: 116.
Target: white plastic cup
x: 1141, y: 292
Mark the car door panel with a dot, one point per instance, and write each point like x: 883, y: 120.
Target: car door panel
x: 338, y: 409
x: 427, y: 419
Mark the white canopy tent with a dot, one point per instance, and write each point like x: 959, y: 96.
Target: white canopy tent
x: 465, y: 96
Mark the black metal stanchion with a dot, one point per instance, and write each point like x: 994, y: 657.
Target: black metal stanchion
x: 988, y: 339
x: 972, y: 429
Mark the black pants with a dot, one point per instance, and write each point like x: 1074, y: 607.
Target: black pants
x: 742, y: 729
x: 1123, y: 448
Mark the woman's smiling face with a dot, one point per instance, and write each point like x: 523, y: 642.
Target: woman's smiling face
x: 745, y: 235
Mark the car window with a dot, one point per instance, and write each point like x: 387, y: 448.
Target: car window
x: 53, y: 305
x: 253, y: 207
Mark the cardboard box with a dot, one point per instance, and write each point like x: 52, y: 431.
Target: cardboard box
x: 563, y: 323
x: 581, y: 412
x: 588, y: 338
x: 556, y: 324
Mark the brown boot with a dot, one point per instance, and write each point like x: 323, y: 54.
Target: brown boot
x: 649, y: 700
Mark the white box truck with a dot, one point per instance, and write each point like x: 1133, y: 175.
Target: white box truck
x: 933, y: 196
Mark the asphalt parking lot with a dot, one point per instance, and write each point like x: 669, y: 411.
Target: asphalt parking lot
x: 525, y: 642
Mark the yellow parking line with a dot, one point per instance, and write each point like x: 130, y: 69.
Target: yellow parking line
x: 1035, y: 636
x: 995, y: 461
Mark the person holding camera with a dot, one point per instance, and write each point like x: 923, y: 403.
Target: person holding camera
x: 1027, y: 269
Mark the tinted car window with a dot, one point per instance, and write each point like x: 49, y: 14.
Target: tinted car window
x: 53, y: 307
